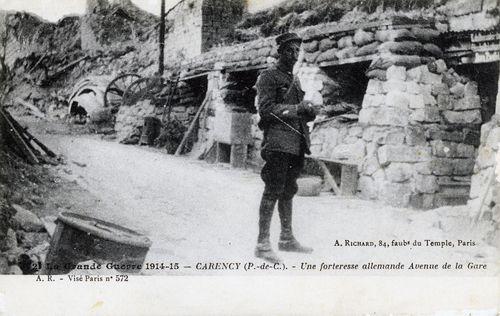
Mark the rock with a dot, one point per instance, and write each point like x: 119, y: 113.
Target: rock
x: 384, y: 116
x: 15, y: 270
x: 403, y: 153
x: 396, y: 194
x: 370, y: 165
x: 426, y: 183
x: 462, y: 117
x: 397, y: 99
x: 362, y: 38
x: 10, y: 241
x: 27, y: 220
x: 415, y: 136
x: 467, y: 103
x: 458, y: 90
x: 470, y: 89
x: 374, y: 87
x: 440, y: 88
x: 396, y: 73
x: 463, y: 167
x: 417, y: 102
x: 398, y: 172
x: 442, y: 166
x: 4, y: 265
x: 444, y: 102
x: 32, y: 240
x: 444, y: 149
x: 413, y: 87
x: 367, y: 187
x: 429, y: 114
x: 466, y: 151
x: 309, y: 186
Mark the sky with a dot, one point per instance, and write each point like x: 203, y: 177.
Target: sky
x: 53, y: 10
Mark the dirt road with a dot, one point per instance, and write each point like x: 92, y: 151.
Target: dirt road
x: 195, y: 213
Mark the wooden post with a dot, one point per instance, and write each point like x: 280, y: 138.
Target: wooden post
x: 161, y: 66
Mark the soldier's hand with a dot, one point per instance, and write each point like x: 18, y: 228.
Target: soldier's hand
x: 309, y: 109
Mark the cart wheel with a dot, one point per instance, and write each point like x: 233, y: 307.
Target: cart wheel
x: 141, y: 89
x: 114, y: 91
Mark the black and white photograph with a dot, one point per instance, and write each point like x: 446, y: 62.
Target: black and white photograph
x: 211, y: 143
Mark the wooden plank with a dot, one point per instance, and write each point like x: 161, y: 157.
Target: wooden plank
x: 329, y: 177
x: 192, y: 125
x: 18, y: 139
x: 30, y: 137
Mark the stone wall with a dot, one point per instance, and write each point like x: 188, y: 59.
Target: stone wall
x: 486, y: 174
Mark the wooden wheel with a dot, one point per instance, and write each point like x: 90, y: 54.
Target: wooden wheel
x: 141, y: 89
x: 116, y: 88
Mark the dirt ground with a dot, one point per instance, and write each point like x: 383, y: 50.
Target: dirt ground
x: 196, y: 212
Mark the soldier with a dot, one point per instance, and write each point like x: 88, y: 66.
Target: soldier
x: 283, y: 118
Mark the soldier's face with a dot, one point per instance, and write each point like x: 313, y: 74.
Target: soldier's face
x: 293, y: 51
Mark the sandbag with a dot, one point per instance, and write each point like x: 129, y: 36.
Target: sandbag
x: 346, y: 41
x: 310, y: 47
x: 362, y: 38
x: 367, y: 49
x: 394, y: 35
x: 377, y: 74
x: 425, y: 35
x: 347, y: 52
x: 407, y: 61
x: 432, y: 50
x: 401, y: 48
x: 329, y: 55
x: 327, y: 44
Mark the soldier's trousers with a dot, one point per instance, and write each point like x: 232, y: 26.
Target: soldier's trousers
x: 279, y: 174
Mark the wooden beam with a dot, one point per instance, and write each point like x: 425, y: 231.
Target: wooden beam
x: 19, y: 141
x: 192, y: 125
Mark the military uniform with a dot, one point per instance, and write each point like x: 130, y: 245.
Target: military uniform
x: 286, y: 140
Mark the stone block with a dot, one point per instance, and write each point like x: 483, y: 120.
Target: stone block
x: 444, y: 149
x: 422, y: 74
x: 417, y: 102
x: 462, y: 117
x: 442, y: 166
x: 413, y: 87
x: 368, y: 188
x: 426, y: 183
x: 374, y: 87
x: 415, y: 136
x: 439, y: 88
x: 463, y: 167
x: 466, y: 151
x: 422, y: 201
x: 398, y: 172
x: 394, y: 85
x: 397, y: 99
x: 425, y: 167
x: 384, y: 116
x: 486, y: 157
x: 435, y: 133
x: 356, y: 131
x: 428, y: 98
x: 402, y: 153
x: 429, y: 114
x: 467, y: 103
x: 470, y: 89
x: 396, y: 194
x: 444, y: 102
x: 369, y: 132
x: 397, y: 73
x: 370, y: 165
x: 458, y: 90
x: 353, y: 152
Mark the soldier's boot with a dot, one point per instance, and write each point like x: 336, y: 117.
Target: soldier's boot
x: 287, y: 240
x: 263, y: 249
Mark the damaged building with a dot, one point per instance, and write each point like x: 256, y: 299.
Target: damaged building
x: 409, y: 95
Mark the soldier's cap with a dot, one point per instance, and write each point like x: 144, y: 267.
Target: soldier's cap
x: 286, y: 38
